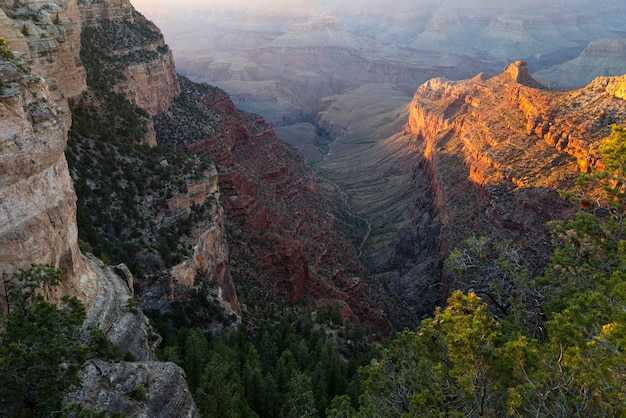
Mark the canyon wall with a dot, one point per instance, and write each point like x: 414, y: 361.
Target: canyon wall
x: 149, y: 75
x: 47, y: 36
x: 38, y: 202
x: 482, y: 157
x: 283, y: 237
x: 38, y: 206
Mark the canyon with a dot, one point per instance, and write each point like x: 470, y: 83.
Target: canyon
x: 339, y: 81
x: 396, y: 151
x: 459, y: 168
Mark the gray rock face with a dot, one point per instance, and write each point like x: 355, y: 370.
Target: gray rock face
x: 116, y: 312
x: 38, y: 211
x: 138, y: 389
x: 143, y: 388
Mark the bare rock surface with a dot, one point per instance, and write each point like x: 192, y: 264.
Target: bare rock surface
x: 137, y: 389
x: 38, y: 203
x: 484, y: 156
x: 144, y: 387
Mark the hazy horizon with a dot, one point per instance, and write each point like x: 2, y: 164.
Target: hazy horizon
x: 279, y: 58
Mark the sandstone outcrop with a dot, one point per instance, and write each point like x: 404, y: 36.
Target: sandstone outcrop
x: 137, y: 50
x: 478, y: 137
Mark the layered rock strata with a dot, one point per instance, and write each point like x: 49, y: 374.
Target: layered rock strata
x: 112, y: 386
x: 47, y: 36
x: 38, y: 205
x: 267, y: 191
x: 38, y: 209
x: 138, y: 49
x: 497, y: 150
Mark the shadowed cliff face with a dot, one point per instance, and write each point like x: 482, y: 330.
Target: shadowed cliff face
x: 38, y: 203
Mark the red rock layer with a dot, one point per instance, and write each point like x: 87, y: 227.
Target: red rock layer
x: 267, y: 190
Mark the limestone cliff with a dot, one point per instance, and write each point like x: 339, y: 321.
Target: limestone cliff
x: 142, y: 61
x: 161, y: 216
x: 47, y: 35
x: 38, y: 205
x: 109, y: 386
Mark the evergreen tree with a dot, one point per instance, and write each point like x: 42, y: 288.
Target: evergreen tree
x: 41, y: 346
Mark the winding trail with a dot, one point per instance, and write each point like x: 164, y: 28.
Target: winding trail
x: 346, y: 204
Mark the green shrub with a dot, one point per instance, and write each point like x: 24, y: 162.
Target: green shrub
x: 139, y: 393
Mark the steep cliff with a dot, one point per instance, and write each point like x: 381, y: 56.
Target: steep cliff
x: 47, y: 35
x: 38, y: 209
x: 140, y: 65
x: 485, y: 156
x: 38, y: 206
x: 159, y: 211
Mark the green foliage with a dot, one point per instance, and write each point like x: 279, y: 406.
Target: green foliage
x: 289, y: 368
x: 613, y: 150
x: 445, y: 368
x: 139, y: 393
x: 466, y: 362
x: 494, y: 271
x: 41, y: 346
x: 606, y: 189
x: 5, y: 51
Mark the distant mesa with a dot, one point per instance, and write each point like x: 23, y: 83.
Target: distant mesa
x: 602, y: 57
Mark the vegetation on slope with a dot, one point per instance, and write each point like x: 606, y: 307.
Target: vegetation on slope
x: 469, y: 360
x: 42, y: 347
x: 535, y: 346
x: 123, y: 185
x: 290, y: 367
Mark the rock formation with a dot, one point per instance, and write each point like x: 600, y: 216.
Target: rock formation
x: 294, y: 249
x: 140, y: 65
x: 38, y: 205
x: 47, y: 35
x: 281, y: 69
x: 603, y: 57
x: 480, y: 157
